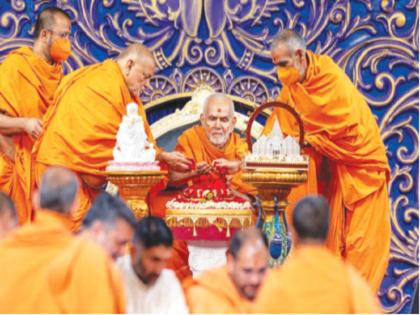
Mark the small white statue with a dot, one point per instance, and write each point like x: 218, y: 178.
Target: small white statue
x: 132, y: 144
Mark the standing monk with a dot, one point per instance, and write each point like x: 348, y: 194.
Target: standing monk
x: 29, y: 77
x: 81, y: 126
x: 340, y: 127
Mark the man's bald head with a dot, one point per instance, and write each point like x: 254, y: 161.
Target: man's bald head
x: 252, y: 240
x: 219, y: 99
x: 247, y: 261
x: 293, y: 40
x: 137, y: 52
x: 218, y: 118
x: 59, y: 190
x: 137, y: 65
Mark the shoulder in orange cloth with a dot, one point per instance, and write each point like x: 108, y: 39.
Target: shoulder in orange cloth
x: 214, y: 293
x: 340, y: 126
x: 314, y: 280
x: 81, y: 127
x: 27, y: 86
x: 195, y: 144
x: 233, y: 288
x: 44, y: 269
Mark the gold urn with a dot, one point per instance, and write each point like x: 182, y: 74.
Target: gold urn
x: 134, y: 186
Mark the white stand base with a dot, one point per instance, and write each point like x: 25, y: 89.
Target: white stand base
x: 204, y: 255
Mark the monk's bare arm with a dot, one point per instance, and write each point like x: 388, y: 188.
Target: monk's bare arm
x: 175, y: 160
x: 12, y: 125
x: 180, y: 178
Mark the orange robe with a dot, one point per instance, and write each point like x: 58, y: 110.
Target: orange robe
x: 81, y: 126
x: 340, y: 126
x: 194, y: 144
x: 213, y: 292
x: 27, y: 86
x: 45, y: 269
x: 313, y: 280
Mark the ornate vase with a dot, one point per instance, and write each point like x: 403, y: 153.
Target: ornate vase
x: 134, y: 187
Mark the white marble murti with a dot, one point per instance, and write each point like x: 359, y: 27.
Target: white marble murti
x: 205, y: 255
x: 132, y: 144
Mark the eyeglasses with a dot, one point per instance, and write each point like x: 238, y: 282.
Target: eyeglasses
x: 61, y: 34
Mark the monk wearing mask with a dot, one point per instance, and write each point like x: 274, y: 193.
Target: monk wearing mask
x: 345, y: 141
x: 29, y: 77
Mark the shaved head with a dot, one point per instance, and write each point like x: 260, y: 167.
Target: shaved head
x: 59, y: 190
x: 248, y: 261
x: 47, y: 19
x: 137, y: 52
x: 252, y: 235
x: 311, y: 218
x: 137, y: 65
x: 219, y: 99
x: 290, y: 38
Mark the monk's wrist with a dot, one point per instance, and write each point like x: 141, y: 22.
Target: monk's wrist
x: 21, y: 123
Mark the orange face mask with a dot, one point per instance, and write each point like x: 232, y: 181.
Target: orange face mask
x: 60, y: 50
x: 288, y: 75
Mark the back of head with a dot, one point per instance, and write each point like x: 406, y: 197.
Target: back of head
x: 290, y: 38
x: 46, y: 19
x: 311, y: 218
x: 108, y: 209
x: 151, y: 232
x: 59, y: 190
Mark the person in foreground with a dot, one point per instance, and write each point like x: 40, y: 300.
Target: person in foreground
x: 110, y: 223
x: 45, y: 269
x: 314, y: 280
x: 149, y: 287
x: 232, y: 288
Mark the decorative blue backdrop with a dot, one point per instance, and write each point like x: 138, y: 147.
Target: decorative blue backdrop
x: 224, y: 44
